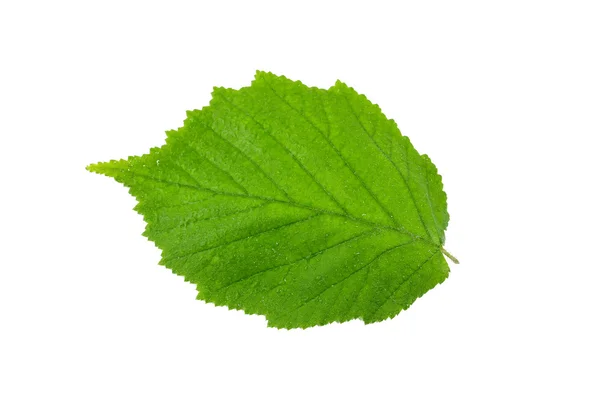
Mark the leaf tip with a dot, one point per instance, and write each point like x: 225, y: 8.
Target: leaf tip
x: 94, y: 168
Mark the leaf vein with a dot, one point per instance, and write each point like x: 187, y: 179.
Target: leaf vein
x: 337, y: 151
x: 404, y: 180
x: 290, y: 153
x: 273, y: 200
x: 195, y: 221
x: 403, y: 282
x: 244, y: 238
x: 258, y: 167
x: 307, y: 258
x: 189, y: 146
x: 435, y: 221
x: 349, y: 276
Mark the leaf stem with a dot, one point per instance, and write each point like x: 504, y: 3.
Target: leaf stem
x: 450, y: 256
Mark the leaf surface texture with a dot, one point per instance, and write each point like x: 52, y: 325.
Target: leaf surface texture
x: 305, y: 205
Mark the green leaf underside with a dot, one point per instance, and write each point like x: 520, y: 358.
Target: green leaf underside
x: 304, y: 205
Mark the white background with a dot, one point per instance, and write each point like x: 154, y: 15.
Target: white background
x: 504, y: 96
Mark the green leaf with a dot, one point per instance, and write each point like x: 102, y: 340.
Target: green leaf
x: 304, y: 205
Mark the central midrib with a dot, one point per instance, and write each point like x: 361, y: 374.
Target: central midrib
x: 273, y: 200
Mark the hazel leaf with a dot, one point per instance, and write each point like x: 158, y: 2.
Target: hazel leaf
x: 305, y: 205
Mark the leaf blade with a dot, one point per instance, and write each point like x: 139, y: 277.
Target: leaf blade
x: 304, y: 205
